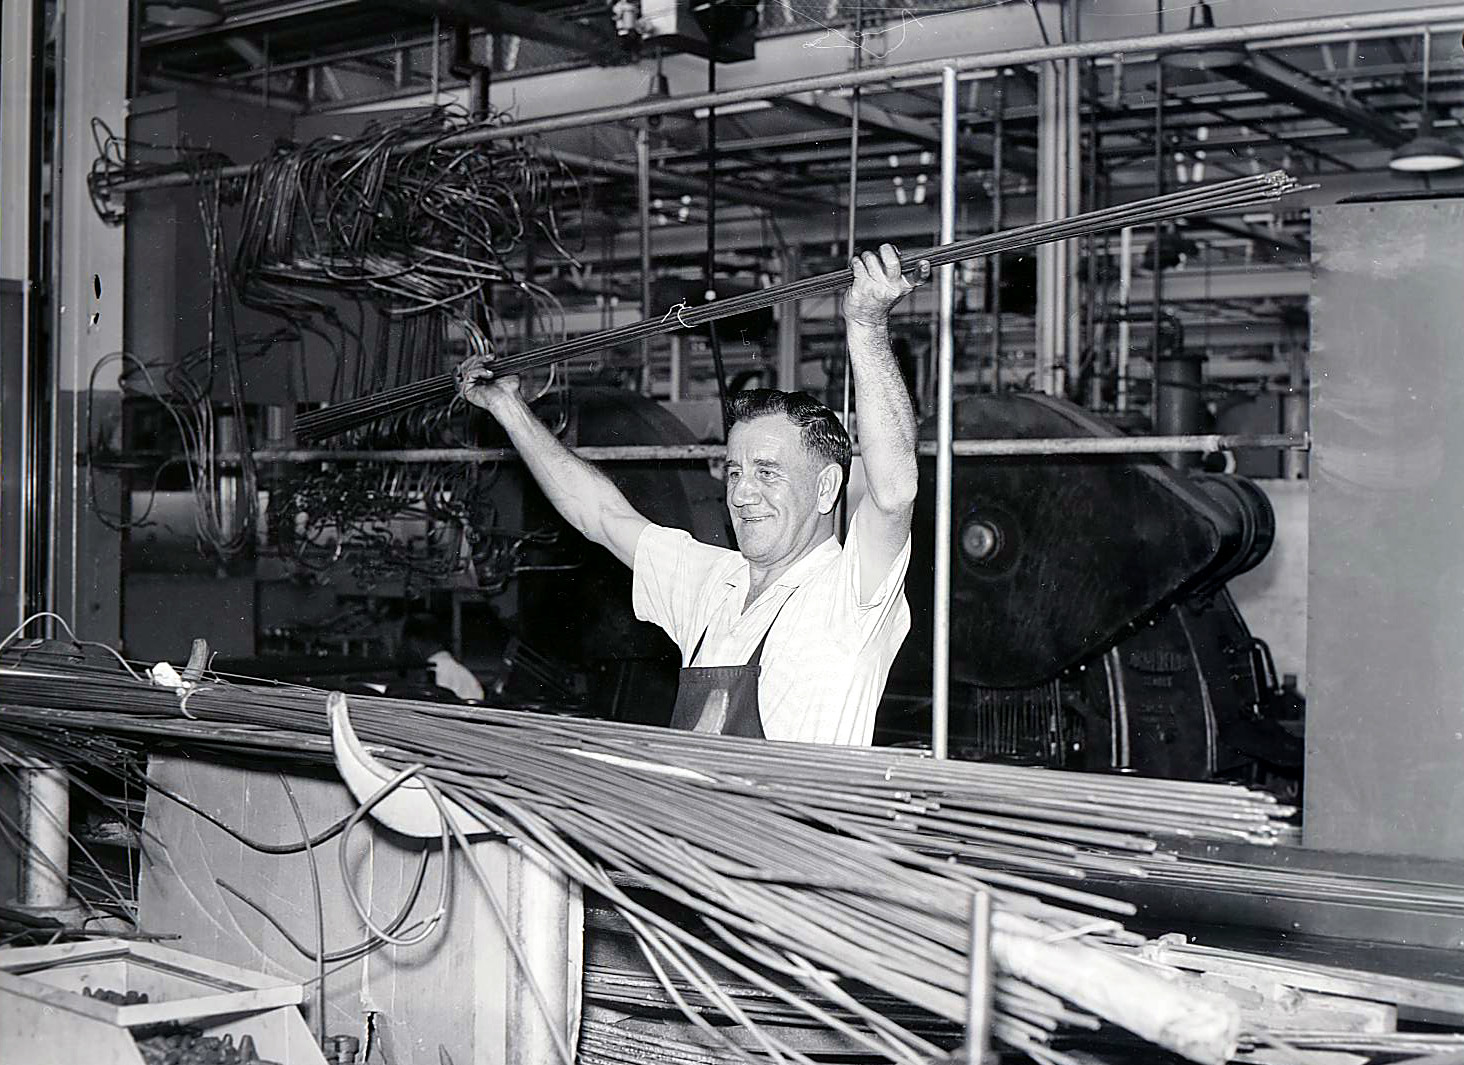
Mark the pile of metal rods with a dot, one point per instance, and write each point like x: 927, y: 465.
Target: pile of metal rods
x: 1226, y: 195
x: 811, y: 871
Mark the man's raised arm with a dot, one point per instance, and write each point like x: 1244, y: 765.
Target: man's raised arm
x: 887, y: 435
x: 584, y: 496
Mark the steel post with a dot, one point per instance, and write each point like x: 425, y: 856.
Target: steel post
x: 790, y: 339
x: 1125, y: 336
x: 940, y: 695
x: 88, y: 283
x: 22, y: 59
x: 643, y: 188
x: 980, y: 982
x: 45, y: 815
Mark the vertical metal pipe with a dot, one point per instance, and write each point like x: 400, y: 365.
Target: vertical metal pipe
x: 789, y: 325
x: 1125, y: 282
x: 1295, y: 415
x: 1046, y: 208
x: 45, y: 828
x: 675, y: 386
x: 1157, y: 350
x: 853, y: 216
x: 940, y: 695
x: 643, y: 181
x: 1073, y: 204
x: 998, y: 204
x: 1090, y: 340
x: 979, y: 984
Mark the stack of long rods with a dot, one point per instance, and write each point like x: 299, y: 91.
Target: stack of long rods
x: 1227, y: 195
x: 790, y: 886
x: 810, y: 866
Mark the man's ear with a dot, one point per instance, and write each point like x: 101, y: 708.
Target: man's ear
x: 830, y: 480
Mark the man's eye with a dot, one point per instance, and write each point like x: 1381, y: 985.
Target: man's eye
x: 766, y: 475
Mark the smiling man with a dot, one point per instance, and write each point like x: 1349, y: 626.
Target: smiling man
x: 791, y: 636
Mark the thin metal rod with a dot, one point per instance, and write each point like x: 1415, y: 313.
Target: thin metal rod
x: 940, y: 702
x: 1036, y: 447
x: 1129, y: 46
x: 851, y: 221
x: 1157, y: 310
x: 1238, y: 192
x: 979, y: 987
x: 1125, y: 337
x: 998, y: 206
x: 643, y: 189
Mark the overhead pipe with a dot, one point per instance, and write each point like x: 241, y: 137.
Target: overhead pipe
x: 940, y: 693
x: 1204, y: 443
x: 1159, y: 43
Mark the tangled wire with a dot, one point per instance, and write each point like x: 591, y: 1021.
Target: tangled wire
x: 404, y: 216
x: 412, y: 221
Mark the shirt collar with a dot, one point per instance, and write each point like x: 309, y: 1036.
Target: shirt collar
x: 795, y: 574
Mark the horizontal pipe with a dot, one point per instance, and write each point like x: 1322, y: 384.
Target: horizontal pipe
x: 737, y: 192
x: 1154, y: 42
x: 1099, y: 445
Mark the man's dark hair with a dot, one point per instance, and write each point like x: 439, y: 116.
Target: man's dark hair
x: 819, y: 427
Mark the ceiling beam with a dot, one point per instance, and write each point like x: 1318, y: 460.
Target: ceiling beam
x: 1279, y: 81
x: 498, y: 16
x: 681, y: 184
x: 829, y: 105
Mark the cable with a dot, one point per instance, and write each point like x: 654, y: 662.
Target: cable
x: 358, y: 950
x: 74, y: 639
x: 432, y: 921
x: 319, y: 911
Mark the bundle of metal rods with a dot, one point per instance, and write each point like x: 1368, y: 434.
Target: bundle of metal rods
x: 1226, y: 195
x: 810, y: 870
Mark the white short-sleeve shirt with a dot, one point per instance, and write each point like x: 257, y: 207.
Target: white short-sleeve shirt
x: 829, y: 653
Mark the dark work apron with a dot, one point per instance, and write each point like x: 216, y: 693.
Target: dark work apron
x: 722, y: 700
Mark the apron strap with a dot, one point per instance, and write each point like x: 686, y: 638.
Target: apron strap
x: 757, y: 654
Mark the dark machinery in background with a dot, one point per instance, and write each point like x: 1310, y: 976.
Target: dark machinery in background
x: 1090, y: 626
x: 577, y: 609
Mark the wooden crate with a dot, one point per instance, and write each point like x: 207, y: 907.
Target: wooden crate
x: 47, y: 1019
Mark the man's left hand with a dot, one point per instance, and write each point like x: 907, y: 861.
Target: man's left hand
x: 878, y: 285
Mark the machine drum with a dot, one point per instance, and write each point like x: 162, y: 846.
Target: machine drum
x: 1055, y: 558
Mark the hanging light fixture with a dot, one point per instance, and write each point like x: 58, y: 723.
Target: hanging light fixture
x: 1426, y: 153
x: 183, y: 14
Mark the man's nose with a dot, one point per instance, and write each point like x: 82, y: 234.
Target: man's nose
x: 744, y: 491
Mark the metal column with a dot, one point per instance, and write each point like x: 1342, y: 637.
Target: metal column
x: 45, y: 819
x: 22, y: 58
x: 92, y: 64
x: 1057, y: 177
x: 790, y: 333
x: 940, y: 693
x: 643, y: 188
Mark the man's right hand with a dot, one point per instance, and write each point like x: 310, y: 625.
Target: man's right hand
x: 478, y: 385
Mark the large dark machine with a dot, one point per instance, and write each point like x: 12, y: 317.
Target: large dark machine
x: 1090, y: 625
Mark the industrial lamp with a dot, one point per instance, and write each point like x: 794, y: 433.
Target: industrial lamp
x: 183, y: 14
x: 1426, y: 153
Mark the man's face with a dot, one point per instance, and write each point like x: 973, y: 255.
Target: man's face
x: 777, y: 490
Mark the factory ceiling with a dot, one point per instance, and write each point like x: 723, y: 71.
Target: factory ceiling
x: 1329, y: 108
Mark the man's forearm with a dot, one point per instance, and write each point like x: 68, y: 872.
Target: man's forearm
x: 887, y: 435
